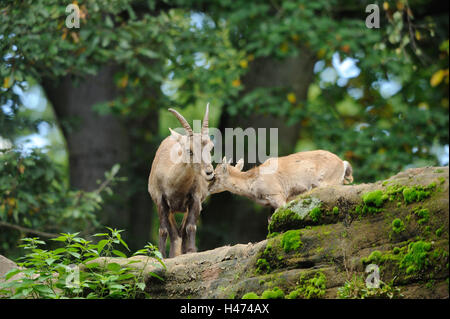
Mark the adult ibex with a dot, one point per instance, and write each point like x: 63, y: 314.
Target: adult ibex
x: 178, y: 182
x: 279, y: 180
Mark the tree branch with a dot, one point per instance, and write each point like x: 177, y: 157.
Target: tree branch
x: 28, y: 230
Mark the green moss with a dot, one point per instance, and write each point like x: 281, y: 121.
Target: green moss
x: 294, y: 294
x: 262, y: 266
x: 271, y: 235
x: 284, y: 218
x: 250, y: 295
x: 310, y: 288
x: 417, y: 193
x: 371, y: 203
x: 379, y: 258
x: 293, y: 215
x: 398, y: 226
x: 374, y: 258
x: 315, y: 214
x: 291, y: 240
x: 375, y: 198
x: 417, y: 257
x: 275, y: 293
x: 423, y: 214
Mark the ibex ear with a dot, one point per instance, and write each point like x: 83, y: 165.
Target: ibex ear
x: 175, y: 135
x: 240, y: 164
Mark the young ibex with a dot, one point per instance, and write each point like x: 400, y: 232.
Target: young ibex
x: 276, y: 183
x: 178, y: 182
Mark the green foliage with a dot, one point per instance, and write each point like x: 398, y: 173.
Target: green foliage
x: 157, y: 43
x: 34, y: 195
x: 335, y: 210
x: 291, y: 241
x: 74, y: 270
x: 356, y: 289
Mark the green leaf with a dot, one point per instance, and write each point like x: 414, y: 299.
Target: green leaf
x: 115, y: 267
x: 141, y: 285
x: 124, y: 244
x: 119, y: 253
x: 126, y: 276
x: 12, y: 273
x: 101, y: 244
x: 74, y: 254
x: 93, y: 265
x: 115, y: 169
x: 156, y: 276
x: 50, y: 261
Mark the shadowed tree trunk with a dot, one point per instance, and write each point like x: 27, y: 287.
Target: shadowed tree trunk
x: 96, y: 142
x: 227, y: 218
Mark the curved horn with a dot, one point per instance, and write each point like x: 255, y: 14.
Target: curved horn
x: 205, y: 121
x: 183, y: 122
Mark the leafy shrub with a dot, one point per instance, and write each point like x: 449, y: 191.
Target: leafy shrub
x: 35, y: 198
x: 74, y: 270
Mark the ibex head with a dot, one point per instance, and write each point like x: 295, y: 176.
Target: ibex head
x: 221, y: 175
x: 194, y: 148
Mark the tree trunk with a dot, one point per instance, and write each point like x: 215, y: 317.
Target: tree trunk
x: 96, y: 142
x: 227, y: 218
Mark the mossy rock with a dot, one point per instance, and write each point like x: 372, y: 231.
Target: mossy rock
x: 295, y: 215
